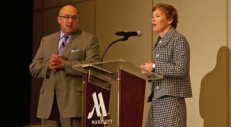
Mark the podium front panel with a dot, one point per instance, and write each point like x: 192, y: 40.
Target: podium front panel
x: 100, y: 103
x: 117, y: 104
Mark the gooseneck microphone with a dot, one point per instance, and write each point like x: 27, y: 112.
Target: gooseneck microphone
x: 126, y: 35
x: 129, y: 33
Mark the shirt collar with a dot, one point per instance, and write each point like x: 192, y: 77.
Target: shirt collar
x: 62, y: 35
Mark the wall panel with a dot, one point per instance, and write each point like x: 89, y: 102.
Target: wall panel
x: 86, y: 12
x: 229, y: 62
x: 55, y: 3
x: 120, y: 15
x: 38, y: 4
x: 50, y: 23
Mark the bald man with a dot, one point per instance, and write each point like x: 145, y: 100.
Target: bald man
x: 60, y: 100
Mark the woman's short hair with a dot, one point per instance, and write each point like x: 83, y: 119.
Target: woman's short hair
x: 170, y: 12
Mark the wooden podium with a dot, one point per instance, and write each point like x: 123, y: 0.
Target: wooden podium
x: 114, y: 93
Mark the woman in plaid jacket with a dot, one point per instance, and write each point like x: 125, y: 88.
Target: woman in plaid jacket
x: 172, y: 60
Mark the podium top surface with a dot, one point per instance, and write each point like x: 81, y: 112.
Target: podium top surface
x: 113, y: 66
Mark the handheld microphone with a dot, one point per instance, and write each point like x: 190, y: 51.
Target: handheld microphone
x: 129, y: 33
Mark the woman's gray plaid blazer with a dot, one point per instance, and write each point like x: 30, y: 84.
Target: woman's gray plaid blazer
x: 172, y: 56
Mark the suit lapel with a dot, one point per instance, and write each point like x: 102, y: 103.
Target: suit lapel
x: 168, y: 36
x: 72, y: 44
x: 53, y: 47
x: 160, y: 48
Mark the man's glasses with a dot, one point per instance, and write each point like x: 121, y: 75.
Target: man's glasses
x: 67, y: 17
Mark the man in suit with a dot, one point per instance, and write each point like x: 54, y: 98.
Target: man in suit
x: 60, y: 100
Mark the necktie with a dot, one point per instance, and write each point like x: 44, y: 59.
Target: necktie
x: 64, y: 42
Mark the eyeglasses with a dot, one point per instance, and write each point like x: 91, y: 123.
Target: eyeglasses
x: 74, y: 17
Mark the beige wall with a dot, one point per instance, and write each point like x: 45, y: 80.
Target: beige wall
x: 205, y: 23
x: 229, y: 59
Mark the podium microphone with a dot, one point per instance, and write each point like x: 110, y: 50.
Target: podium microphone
x: 126, y: 35
x: 129, y: 33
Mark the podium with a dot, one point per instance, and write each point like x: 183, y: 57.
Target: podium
x: 113, y: 93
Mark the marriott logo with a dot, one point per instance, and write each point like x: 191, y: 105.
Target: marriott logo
x: 97, y: 106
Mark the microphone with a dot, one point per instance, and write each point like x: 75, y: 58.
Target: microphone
x: 63, y: 44
x: 126, y: 34
x: 129, y: 33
